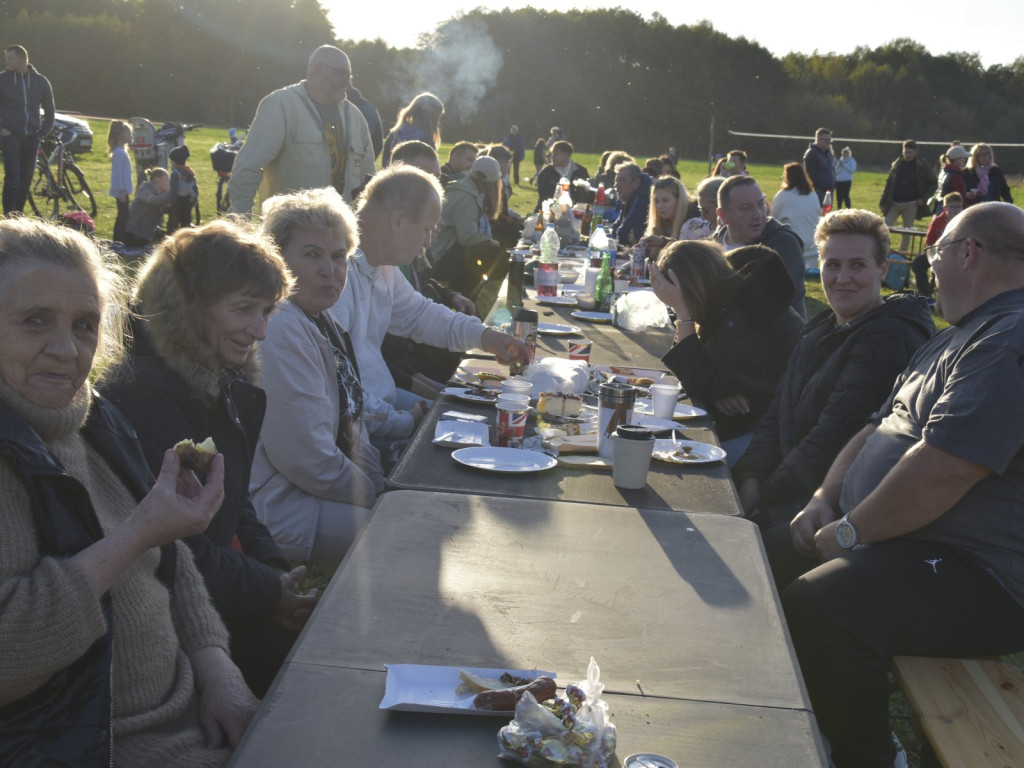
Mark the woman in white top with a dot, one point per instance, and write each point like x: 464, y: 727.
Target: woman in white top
x: 797, y: 205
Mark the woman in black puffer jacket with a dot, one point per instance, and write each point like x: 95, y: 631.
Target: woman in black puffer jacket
x: 734, y: 330
x: 839, y: 374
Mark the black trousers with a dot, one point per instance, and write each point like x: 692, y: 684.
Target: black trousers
x: 19, y: 166
x: 850, y: 616
x: 843, y: 194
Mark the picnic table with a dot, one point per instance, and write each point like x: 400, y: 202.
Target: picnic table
x: 698, y: 488
x: 681, y: 602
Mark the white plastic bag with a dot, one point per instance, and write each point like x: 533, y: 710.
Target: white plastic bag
x: 569, y: 731
x: 640, y: 310
x: 553, y: 374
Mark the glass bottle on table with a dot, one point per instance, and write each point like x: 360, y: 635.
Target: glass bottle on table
x: 514, y: 289
x: 600, y: 202
x: 604, y: 287
x: 547, y: 270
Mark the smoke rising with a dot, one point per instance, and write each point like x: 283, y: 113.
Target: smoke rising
x: 460, y: 63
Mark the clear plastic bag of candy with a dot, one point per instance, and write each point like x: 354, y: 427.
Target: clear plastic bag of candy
x: 572, y: 729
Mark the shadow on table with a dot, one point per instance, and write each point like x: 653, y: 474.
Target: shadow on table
x: 694, y: 557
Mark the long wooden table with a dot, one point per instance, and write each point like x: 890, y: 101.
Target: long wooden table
x: 697, y: 488
x: 682, y: 602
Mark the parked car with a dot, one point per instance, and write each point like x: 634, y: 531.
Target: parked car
x: 74, y: 132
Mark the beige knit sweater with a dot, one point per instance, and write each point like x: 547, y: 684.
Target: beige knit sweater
x: 49, y: 615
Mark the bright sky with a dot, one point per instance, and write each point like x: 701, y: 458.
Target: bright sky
x: 995, y: 30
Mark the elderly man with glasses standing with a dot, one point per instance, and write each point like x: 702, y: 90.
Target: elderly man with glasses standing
x: 304, y: 136
x: 914, y: 543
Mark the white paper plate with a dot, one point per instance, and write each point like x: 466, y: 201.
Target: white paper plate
x: 470, y: 395
x: 700, y: 453
x: 652, y: 422
x: 592, y: 317
x: 557, y: 329
x: 558, y: 301
x: 643, y: 407
x: 421, y: 688
x: 572, y: 288
x: 505, y: 460
x: 469, y: 368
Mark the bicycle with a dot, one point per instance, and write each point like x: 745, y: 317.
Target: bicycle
x: 58, y: 181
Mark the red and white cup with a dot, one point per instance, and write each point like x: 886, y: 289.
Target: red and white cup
x: 580, y: 350
x: 511, y: 423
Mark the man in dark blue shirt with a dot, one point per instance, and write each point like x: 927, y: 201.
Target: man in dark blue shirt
x: 23, y: 92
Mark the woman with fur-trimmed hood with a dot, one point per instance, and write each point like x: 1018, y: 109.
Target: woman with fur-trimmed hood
x: 202, y: 302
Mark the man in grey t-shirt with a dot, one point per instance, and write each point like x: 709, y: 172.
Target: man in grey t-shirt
x: 914, y: 544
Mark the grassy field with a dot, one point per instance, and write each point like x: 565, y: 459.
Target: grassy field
x: 867, y: 186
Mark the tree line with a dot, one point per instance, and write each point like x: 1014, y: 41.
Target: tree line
x: 610, y: 78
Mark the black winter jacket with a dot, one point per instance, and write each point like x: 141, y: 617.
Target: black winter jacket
x: 742, y: 351
x: 165, y: 408
x: 67, y: 720
x: 21, y: 97
x: 835, y: 380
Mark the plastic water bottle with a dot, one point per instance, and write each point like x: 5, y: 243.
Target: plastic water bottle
x: 597, y: 244
x: 826, y: 203
x: 547, y: 270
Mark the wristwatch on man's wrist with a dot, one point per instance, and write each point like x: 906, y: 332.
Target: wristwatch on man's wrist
x: 846, y: 535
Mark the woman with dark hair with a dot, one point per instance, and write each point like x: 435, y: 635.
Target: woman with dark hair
x: 839, y: 374
x: 465, y: 255
x: 797, y: 205
x: 203, y: 301
x: 734, y: 329
x: 984, y: 179
x: 419, y: 120
x: 110, y: 651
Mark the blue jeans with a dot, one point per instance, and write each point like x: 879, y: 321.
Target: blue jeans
x: 19, y: 165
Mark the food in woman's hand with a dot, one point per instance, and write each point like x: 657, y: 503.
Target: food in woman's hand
x: 560, y: 404
x: 196, y: 456
x: 505, y: 699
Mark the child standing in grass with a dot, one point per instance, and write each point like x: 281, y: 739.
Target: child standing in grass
x: 119, y: 136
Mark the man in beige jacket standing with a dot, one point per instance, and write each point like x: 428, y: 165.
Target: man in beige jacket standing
x: 305, y: 136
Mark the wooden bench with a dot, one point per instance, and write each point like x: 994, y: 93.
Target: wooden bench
x: 971, y: 711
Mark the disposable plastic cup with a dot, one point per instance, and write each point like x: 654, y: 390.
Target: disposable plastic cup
x: 523, y: 401
x: 516, y: 386
x: 663, y: 400
x: 511, y: 424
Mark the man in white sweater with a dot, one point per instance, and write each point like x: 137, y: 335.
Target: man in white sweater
x: 398, y: 213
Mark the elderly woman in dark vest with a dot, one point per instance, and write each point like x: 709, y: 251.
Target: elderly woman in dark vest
x: 110, y: 652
